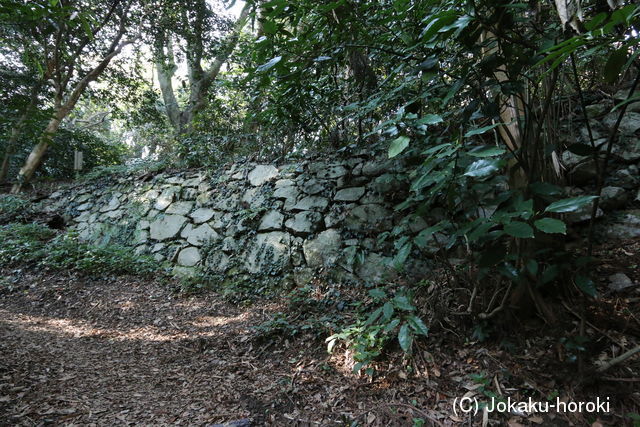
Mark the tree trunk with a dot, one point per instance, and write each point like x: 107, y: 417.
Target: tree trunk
x: 36, y: 155
x: 200, y: 81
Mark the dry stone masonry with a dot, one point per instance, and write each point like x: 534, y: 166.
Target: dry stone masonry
x: 253, y: 219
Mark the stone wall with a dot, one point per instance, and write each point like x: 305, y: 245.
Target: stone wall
x: 250, y: 218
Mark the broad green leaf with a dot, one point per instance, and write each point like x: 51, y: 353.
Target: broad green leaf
x: 551, y: 226
x: 481, y: 130
x: 429, y: 119
x: 595, y: 21
x: 549, y: 274
x: 401, y: 257
x: 398, y: 145
x: 377, y: 293
x: 586, y: 285
x: 570, y: 205
x: 614, y: 65
x: 519, y: 229
x: 483, y: 168
x: 545, y: 189
x: 424, y: 237
x: 402, y: 302
x: 373, y: 316
x: 405, y: 337
x: 269, y: 27
x: 267, y: 66
x: 418, y: 325
x: 387, y: 310
x: 480, y: 231
x: 392, y: 325
x: 487, y: 152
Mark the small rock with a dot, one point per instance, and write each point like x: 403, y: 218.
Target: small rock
x: 312, y: 186
x: 331, y: 172
x: 626, y: 178
x: 113, y: 204
x: 623, y: 225
x: 312, y: 203
x: 284, y: 183
x: 271, y: 221
x: 189, y: 257
x: 200, y: 235
x: 613, y: 198
x: 349, y: 194
x: 180, y: 208
x: 597, y: 110
x: 304, y: 222
x: 619, y: 282
x: 622, y: 95
x: 370, y: 217
x: 165, y: 199
x: 288, y: 192
x: 628, y: 126
x: 201, y: 215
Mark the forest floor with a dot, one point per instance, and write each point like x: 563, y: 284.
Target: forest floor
x: 132, y: 351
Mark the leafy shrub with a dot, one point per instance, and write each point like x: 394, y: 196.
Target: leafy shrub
x: 13, y: 208
x: 394, y: 316
x: 38, y: 245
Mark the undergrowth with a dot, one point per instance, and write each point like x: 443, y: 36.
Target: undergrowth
x: 141, y: 166
x: 38, y: 245
x: 240, y: 289
x: 14, y: 208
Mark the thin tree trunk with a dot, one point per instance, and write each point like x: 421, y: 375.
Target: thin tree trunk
x: 63, y: 109
x: 37, y: 153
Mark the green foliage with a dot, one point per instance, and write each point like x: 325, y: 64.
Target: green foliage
x: 309, y: 313
x: 394, y: 316
x: 635, y: 418
x: 34, y: 244
x: 14, y: 208
x: 97, y: 152
x: 136, y: 168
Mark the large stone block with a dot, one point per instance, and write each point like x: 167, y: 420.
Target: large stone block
x: 324, y: 250
x: 167, y: 227
x: 261, y: 174
x: 268, y: 253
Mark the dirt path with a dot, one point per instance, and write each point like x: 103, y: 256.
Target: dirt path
x: 127, y: 351
x: 119, y: 352
x: 75, y: 351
